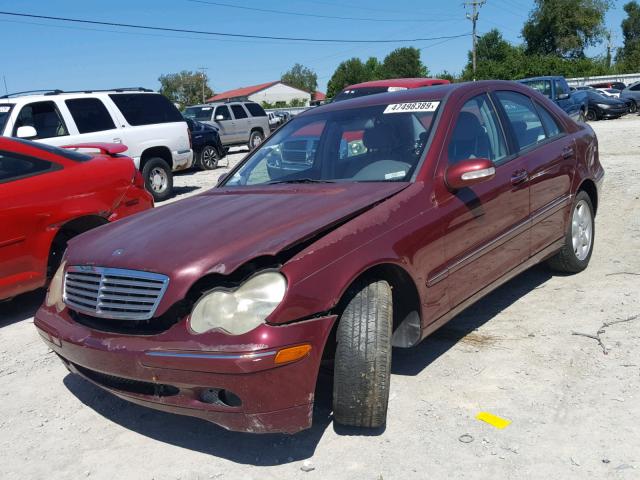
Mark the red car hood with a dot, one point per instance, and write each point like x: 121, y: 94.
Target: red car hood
x: 218, y: 231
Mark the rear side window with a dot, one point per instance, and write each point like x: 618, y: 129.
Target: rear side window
x: 635, y: 88
x: 255, y: 110
x: 238, y: 111
x: 551, y: 126
x: 525, y: 123
x: 44, y: 117
x: 146, y: 108
x: 224, y: 112
x: 15, y: 167
x: 90, y: 115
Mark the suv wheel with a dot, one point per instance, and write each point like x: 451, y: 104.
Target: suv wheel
x: 208, y: 158
x: 158, y: 178
x: 576, y: 253
x: 255, y: 139
x: 362, y: 368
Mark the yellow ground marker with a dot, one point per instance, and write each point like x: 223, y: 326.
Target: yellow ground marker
x: 493, y: 420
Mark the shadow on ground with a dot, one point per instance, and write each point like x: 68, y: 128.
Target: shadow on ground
x: 276, y: 449
x: 21, y: 307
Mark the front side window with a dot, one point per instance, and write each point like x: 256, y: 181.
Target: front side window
x: 560, y: 88
x: 635, y: 87
x: 238, y: 112
x: 255, y: 110
x: 477, y: 133
x: 382, y: 143
x: 14, y: 167
x: 90, y: 115
x: 44, y: 117
x: 525, y: 123
x: 146, y: 108
x: 223, y: 112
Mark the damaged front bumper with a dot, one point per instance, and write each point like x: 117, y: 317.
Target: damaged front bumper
x: 232, y: 381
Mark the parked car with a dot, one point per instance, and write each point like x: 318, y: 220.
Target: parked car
x: 156, y: 135
x: 390, y: 85
x: 274, y: 121
x: 239, y: 123
x: 601, y: 107
x: 48, y: 195
x: 455, y: 190
x: 632, y: 92
x: 609, y: 92
x: 616, y: 85
x: 207, y: 147
x: 575, y: 103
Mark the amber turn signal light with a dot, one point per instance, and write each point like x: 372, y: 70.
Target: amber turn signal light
x: 291, y: 354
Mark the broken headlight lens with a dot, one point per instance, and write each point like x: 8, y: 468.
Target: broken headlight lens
x: 241, y: 310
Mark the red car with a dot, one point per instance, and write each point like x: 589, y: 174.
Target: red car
x: 454, y: 191
x: 49, y: 195
x: 390, y: 85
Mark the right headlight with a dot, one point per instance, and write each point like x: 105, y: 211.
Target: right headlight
x: 239, y: 311
x: 604, y: 106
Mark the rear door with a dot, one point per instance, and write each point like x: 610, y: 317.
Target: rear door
x: 486, y: 233
x: 92, y: 122
x: 243, y: 123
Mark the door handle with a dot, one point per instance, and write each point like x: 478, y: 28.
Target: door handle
x: 567, y: 152
x: 519, y: 176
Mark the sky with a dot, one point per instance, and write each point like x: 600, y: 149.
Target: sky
x: 45, y: 54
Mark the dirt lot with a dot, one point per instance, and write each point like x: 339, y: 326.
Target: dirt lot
x: 574, y: 410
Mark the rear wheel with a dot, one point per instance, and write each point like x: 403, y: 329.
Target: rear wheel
x: 208, y: 158
x: 591, y: 115
x: 362, y: 369
x: 633, y: 107
x: 158, y: 178
x: 576, y: 253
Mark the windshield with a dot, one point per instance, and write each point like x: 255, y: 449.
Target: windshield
x: 382, y: 143
x: 5, y: 111
x: 199, y: 113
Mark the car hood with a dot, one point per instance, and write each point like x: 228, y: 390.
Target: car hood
x: 220, y: 230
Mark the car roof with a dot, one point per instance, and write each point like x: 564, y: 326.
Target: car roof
x: 215, y: 104
x: 543, y: 77
x: 51, y: 94
x: 400, y: 82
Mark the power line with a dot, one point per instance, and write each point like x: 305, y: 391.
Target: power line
x: 224, y: 34
x: 313, y: 15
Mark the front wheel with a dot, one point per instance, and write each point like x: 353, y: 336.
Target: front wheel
x: 576, y: 253
x: 158, y: 178
x: 591, y: 115
x: 208, y: 158
x: 362, y: 369
x: 255, y: 139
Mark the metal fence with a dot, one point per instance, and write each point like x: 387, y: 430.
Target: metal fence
x: 626, y: 79
x: 293, y: 111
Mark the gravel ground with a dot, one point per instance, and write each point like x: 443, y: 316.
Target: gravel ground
x: 574, y: 410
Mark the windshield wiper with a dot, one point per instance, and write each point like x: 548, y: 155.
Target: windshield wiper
x: 300, y: 180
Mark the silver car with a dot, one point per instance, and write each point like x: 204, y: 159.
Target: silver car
x: 239, y: 123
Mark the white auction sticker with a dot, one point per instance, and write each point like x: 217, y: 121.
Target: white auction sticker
x: 412, y: 107
x: 4, y: 109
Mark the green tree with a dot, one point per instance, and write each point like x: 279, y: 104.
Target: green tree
x: 185, y: 88
x: 565, y: 28
x: 348, y: 72
x: 403, y: 63
x: 301, y: 77
x: 628, y: 57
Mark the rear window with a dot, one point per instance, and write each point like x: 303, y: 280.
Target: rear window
x: 15, y: 167
x: 5, y: 111
x: 543, y: 86
x: 90, y: 115
x: 146, y: 108
x: 199, y: 113
x: 359, y: 92
x: 255, y: 110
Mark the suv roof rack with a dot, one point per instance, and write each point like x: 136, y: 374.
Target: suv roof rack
x: 58, y: 92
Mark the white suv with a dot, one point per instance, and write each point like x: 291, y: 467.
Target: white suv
x: 152, y: 128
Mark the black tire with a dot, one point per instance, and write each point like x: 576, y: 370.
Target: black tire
x: 160, y: 189
x: 208, y: 158
x: 362, y: 369
x: 592, y: 115
x: 255, y: 139
x: 633, y: 108
x: 567, y: 260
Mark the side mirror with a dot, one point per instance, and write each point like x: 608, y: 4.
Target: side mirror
x: 219, y: 118
x: 26, y: 132
x: 563, y: 96
x: 469, y: 172
x: 222, y: 178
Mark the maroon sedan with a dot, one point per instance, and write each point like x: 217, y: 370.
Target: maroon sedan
x: 358, y: 226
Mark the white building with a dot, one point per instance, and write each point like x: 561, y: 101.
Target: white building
x: 272, y: 92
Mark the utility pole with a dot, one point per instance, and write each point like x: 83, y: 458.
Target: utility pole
x: 202, y: 70
x: 473, y: 16
x: 609, y: 37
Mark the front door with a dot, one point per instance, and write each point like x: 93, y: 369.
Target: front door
x: 226, y: 125
x: 486, y: 232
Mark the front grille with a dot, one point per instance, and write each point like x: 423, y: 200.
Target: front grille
x: 128, y: 385
x: 114, y: 293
